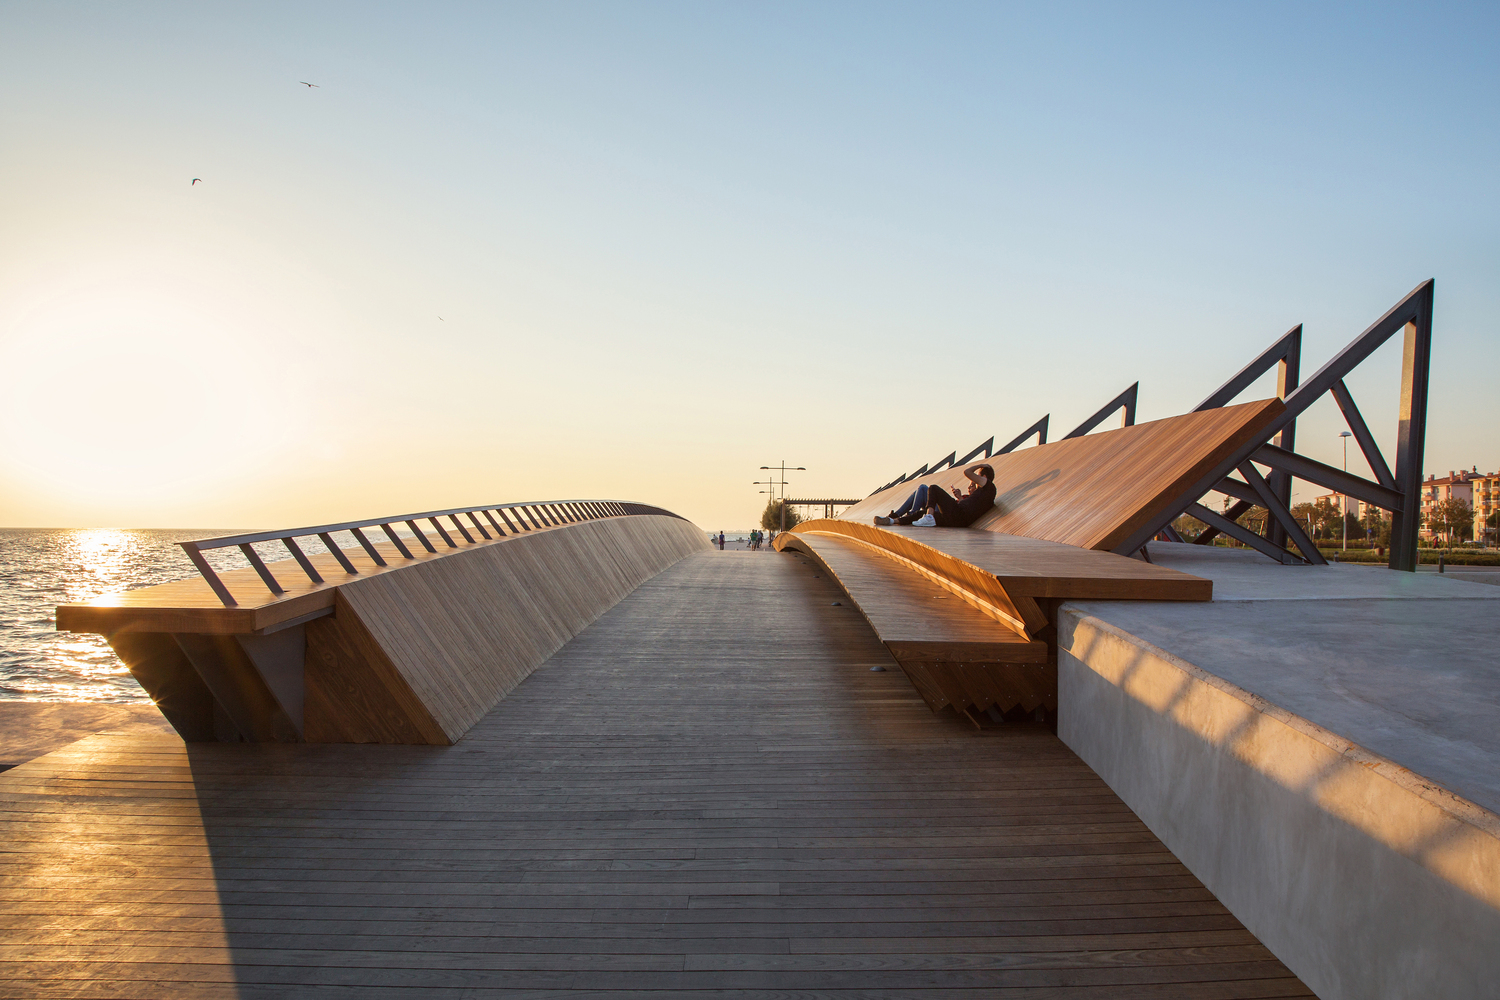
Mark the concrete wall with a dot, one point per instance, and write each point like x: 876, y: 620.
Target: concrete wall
x: 1366, y: 880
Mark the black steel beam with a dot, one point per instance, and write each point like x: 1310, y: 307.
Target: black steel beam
x: 1286, y: 354
x: 986, y: 446
x: 1289, y: 372
x: 1209, y: 533
x: 1238, y: 490
x: 1411, y: 432
x: 1239, y: 531
x: 1290, y: 345
x: 1039, y: 429
x: 1279, y: 513
x: 1362, y: 434
x: 1125, y: 400
x: 1346, y: 483
x: 1357, y: 351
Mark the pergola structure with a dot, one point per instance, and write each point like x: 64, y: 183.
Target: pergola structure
x: 826, y: 504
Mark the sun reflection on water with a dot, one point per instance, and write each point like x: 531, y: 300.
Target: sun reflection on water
x: 40, y: 569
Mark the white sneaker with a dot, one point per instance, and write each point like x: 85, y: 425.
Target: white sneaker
x: 925, y: 521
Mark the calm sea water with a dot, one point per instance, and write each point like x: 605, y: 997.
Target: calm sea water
x: 41, y: 568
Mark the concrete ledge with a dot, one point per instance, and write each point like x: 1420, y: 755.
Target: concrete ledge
x: 1365, y: 878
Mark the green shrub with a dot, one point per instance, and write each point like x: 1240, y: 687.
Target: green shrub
x: 1425, y: 557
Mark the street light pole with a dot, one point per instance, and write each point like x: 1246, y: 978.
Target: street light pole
x: 783, y: 469
x: 770, y: 485
x: 1344, y: 500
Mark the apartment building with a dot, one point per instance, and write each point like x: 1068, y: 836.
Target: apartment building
x: 1338, y: 500
x: 1479, y: 491
x: 1456, y: 485
x: 1486, y: 501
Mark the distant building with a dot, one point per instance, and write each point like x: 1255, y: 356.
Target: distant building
x: 1337, y: 500
x: 1456, y: 485
x: 1486, y: 501
x: 1481, y: 491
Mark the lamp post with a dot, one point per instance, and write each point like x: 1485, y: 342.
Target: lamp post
x: 783, y: 469
x: 770, y: 488
x: 1343, y: 500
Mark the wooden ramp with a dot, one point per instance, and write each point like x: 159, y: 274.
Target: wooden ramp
x: 1095, y: 491
x: 706, y: 793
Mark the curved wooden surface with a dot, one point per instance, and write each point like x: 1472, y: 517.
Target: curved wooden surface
x: 419, y: 656
x: 915, y: 618
x: 1094, y: 491
x: 1004, y: 576
x: 415, y: 652
x: 952, y: 652
x: 1060, y: 508
x: 1001, y: 584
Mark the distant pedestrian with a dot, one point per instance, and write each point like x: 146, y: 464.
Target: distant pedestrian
x: 721, y: 541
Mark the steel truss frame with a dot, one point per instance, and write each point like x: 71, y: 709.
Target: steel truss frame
x: 1125, y: 400
x: 1399, y: 492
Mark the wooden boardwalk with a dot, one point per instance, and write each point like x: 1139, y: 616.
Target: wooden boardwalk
x: 706, y: 793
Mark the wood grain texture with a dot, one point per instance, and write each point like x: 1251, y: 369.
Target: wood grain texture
x: 706, y: 793
x: 461, y: 632
x: 416, y: 652
x: 913, y: 617
x: 188, y: 605
x: 1006, y: 568
x: 1094, y: 491
x: 29, y: 729
x: 354, y: 693
x: 954, y: 655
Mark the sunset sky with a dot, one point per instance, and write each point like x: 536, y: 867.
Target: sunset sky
x: 672, y: 243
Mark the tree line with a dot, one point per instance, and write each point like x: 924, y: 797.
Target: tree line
x: 1451, y: 519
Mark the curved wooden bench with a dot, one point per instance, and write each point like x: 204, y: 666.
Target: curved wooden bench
x: 953, y: 653
x: 996, y: 583
x: 1012, y: 580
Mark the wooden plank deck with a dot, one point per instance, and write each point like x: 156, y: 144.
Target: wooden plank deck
x: 706, y: 793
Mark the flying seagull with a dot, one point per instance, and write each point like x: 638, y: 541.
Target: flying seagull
x: 195, y: 181
x: 306, y: 84
x: 441, y: 320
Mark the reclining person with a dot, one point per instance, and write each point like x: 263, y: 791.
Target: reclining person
x: 933, y: 507
x: 917, y: 502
